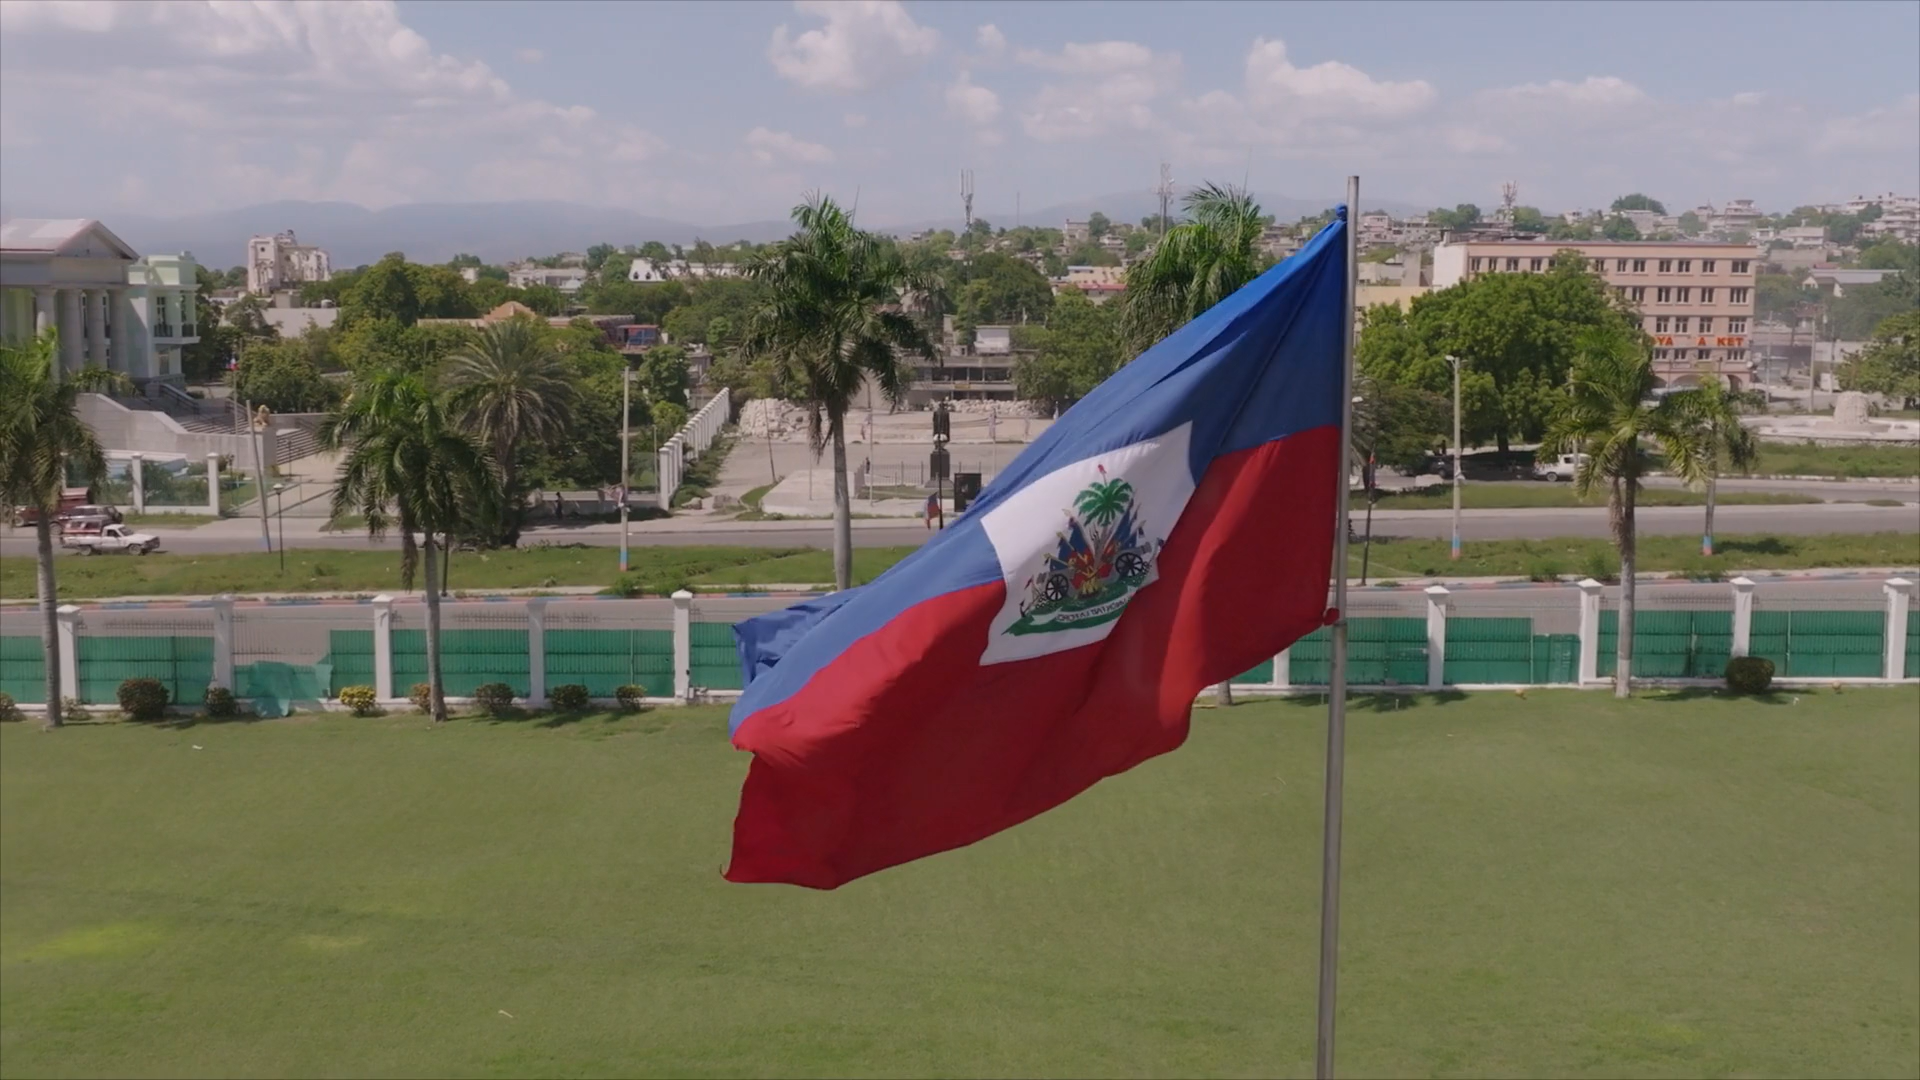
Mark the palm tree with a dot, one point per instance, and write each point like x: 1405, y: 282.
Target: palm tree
x: 1608, y: 418
x: 1199, y: 263
x: 1723, y: 440
x: 41, y: 438
x: 510, y: 385
x: 407, y: 465
x: 831, y: 320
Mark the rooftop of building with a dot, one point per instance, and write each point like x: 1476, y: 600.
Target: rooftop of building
x: 54, y: 236
x: 1541, y: 241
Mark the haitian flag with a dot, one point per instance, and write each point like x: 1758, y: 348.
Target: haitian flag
x: 1172, y: 530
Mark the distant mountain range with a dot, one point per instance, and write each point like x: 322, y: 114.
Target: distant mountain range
x: 504, y: 231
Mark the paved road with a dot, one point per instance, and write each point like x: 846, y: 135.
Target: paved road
x: 1430, y: 524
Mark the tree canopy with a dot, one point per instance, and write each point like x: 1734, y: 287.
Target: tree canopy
x: 1637, y: 201
x: 1890, y: 364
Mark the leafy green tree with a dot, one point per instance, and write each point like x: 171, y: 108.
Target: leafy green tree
x: 1891, y: 254
x: 994, y: 289
x: 1711, y: 415
x: 1560, y: 230
x: 1637, y: 201
x: 1398, y: 426
x: 282, y: 376
x: 385, y: 291
x: 1098, y: 224
x: 1201, y: 262
x: 1152, y: 223
x: 1619, y: 228
x: 1459, y: 217
x: 1854, y: 315
x: 668, y: 418
x: 598, y: 254
x: 1890, y: 364
x: 1075, y: 352
x: 509, y: 386
x: 464, y: 260
x: 42, y: 440
x: 1607, y: 417
x: 1528, y: 219
x: 408, y: 465
x: 1691, y: 225
x: 543, y: 299
x: 655, y: 250
x: 663, y: 374
x: 830, y: 322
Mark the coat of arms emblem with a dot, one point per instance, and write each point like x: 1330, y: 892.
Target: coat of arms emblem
x: 1102, y: 557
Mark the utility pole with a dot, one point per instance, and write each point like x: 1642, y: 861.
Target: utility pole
x: 966, y: 196
x: 261, y: 418
x: 626, y: 453
x: 1455, y: 361
x: 1165, y: 191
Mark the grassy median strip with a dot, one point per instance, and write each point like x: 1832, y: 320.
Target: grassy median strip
x: 1557, y: 885
x: 663, y: 569
x: 1805, y: 459
x: 1543, y: 495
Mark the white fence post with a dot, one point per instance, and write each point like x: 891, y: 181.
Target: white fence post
x: 1742, y: 616
x: 213, y: 484
x: 1899, y: 601
x: 537, y: 651
x: 383, y: 646
x: 1437, y: 636
x: 68, y: 631
x: 139, y: 481
x: 223, y: 641
x: 682, y: 644
x: 1589, y: 630
x: 1283, y: 669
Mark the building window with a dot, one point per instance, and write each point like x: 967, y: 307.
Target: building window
x: 1739, y: 295
x: 1706, y: 324
x: 1707, y: 265
x: 1741, y: 266
x: 1659, y: 354
x: 1477, y: 263
x: 1666, y: 266
x: 1682, y: 325
x: 1684, y: 296
x: 1639, y: 266
x: 1513, y: 265
x: 1599, y: 266
x: 1620, y: 267
x: 1706, y: 295
x: 1639, y: 293
x: 1686, y: 266
x: 1662, y: 325
x: 1737, y: 355
x: 1663, y: 295
x: 1700, y: 354
x: 1736, y: 326
x: 1537, y: 265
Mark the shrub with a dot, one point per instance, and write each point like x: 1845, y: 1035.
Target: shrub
x: 628, y: 585
x: 569, y: 697
x: 422, y: 696
x: 495, y: 697
x: 9, y: 712
x: 1544, y: 570
x: 143, y: 699
x: 221, y: 703
x: 1749, y: 674
x: 629, y: 696
x: 1601, y: 567
x: 361, y: 699
x: 73, y: 706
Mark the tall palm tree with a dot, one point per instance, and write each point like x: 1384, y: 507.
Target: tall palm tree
x: 1724, y: 442
x: 831, y: 320
x: 41, y: 438
x: 1199, y: 263
x: 408, y: 465
x: 1608, y: 418
x: 509, y: 385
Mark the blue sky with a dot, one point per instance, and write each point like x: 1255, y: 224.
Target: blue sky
x: 720, y: 112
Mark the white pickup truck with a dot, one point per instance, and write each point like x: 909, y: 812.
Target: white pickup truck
x: 112, y: 538
x: 1563, y: 468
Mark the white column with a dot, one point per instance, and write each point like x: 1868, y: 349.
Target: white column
x: 45, y: 314
x: 1283, y: 669
x: 383, y: 647
x: 1899, y: 601
x: 223, y: 642
x: 96, y: 316
x: 68, y: 632
x: 128, y: 356
x: 537, y: 651
x: 1589, y: 630
x: 138, y: 475
x: 682, y: 643
x: 1742, y: 616
x: 1436, y: 636
x: 663, y: 478
x: 213, y: 484
x: 71, y: 330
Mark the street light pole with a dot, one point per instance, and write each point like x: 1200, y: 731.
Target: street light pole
x: 626, y: 452
x: 280, y: 519
x: 1455, y: 361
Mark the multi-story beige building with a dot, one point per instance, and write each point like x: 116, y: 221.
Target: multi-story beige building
x: 1695, y: 299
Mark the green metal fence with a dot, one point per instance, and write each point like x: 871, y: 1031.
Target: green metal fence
x: 1822, y: 644
x: 713, y: 657
x: 23, y: 667
x: 603, y: 660
x: 1913, y: 645
x: 184, y: 664
x: 1506, y: 650
x: 468, y: 659
x: 1380, y: 652
x: 1669, y: 644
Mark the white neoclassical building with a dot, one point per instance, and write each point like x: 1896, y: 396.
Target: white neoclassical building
x: 112, y: 308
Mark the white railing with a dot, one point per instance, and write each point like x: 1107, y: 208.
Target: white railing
x: 692, y: 440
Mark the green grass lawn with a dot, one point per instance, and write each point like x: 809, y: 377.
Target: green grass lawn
x: 1789, y: 459
x: 182, y: 521
x: 1531, y: 494
x: 1560, y: 885
x: 664, y: 569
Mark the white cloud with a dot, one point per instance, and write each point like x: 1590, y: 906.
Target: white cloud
x: 854, y: 120
x: 991, y: 40
x: 321, y: 101
x: 864, y: 45
x: 976, y: 105
x: 1110, y: 87
x: 529, y: 56
x: 771, y: 147
x: 1593, y: 92
x: 1326, y: 89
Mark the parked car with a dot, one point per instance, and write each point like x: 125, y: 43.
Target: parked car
x: 70, y: 500
x: 1565, y: 467
x: 110, y: 539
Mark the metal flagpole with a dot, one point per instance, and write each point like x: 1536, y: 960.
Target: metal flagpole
x: 1337, y: 681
